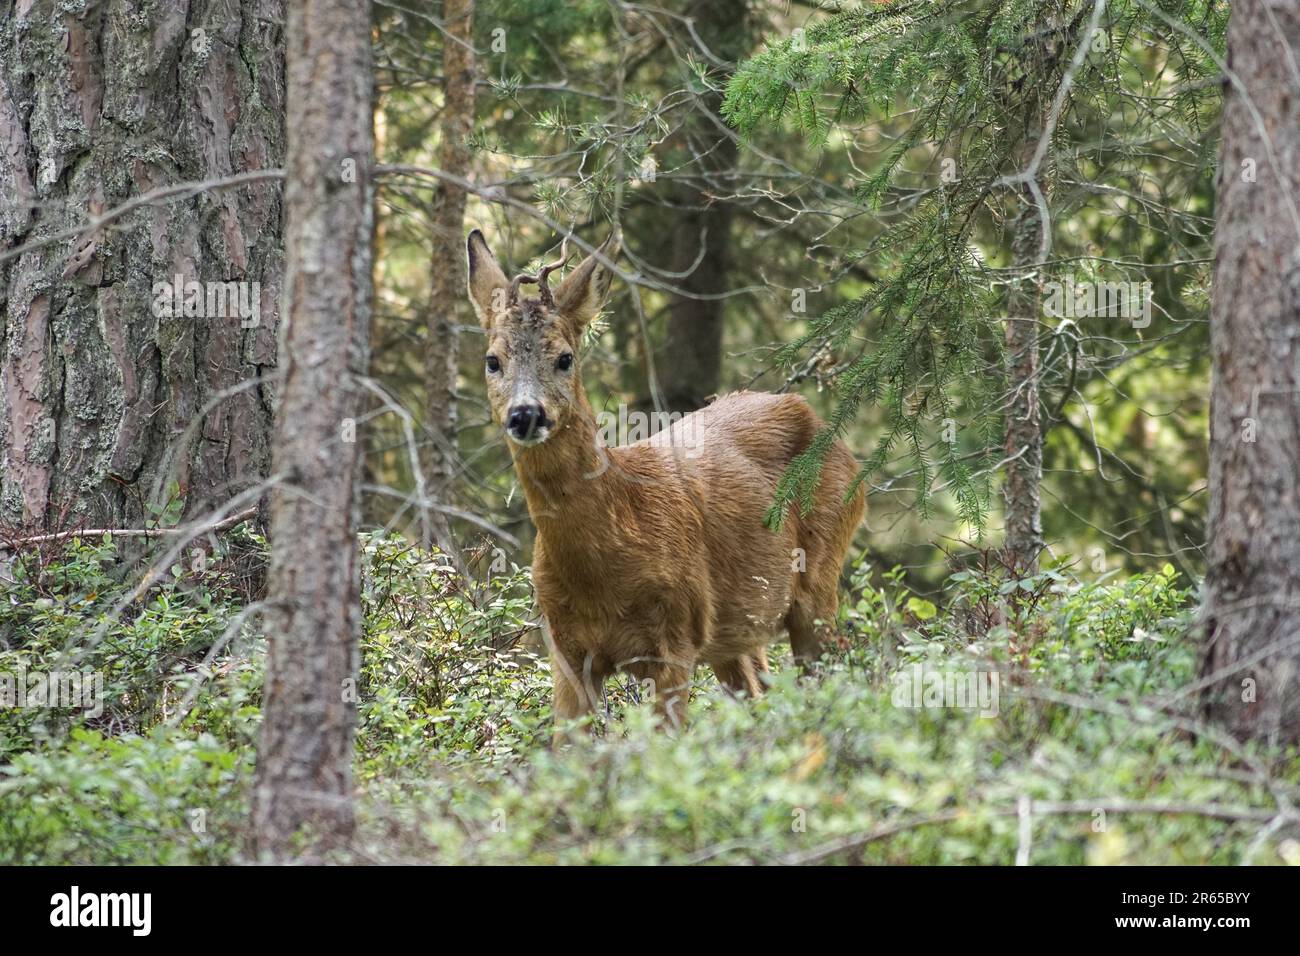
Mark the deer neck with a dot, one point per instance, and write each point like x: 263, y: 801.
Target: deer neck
x: 563, y: 478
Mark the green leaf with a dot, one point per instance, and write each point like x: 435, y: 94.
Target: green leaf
x: 922, y: 609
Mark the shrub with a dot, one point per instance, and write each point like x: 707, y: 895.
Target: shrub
x: 453, y: 762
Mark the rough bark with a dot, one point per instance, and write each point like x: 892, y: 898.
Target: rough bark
x: 689, y: 366
x: 1252, y: 635
x: 304, y: 771
x: 1023, y: 433
x: 447, y: 303
x: 103, y: 403
x: 1023, y: 428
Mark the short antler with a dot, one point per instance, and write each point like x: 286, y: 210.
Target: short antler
x: 552, y: 267
x: 540, y: 279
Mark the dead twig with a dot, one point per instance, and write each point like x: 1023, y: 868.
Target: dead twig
x: 222, y: 525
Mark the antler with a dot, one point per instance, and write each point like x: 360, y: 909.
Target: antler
x: 542, y: 276
x: 539, y: 280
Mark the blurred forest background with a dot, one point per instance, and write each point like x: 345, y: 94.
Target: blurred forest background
x: 813, y: 200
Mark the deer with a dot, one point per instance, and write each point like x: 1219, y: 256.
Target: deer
x: 654, y: 557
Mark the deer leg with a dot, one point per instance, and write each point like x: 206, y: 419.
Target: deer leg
x: 672, y: 688
x: 574, y: 688
x: 810, y: 621
x: 804, y: 641
x: 740, y: 676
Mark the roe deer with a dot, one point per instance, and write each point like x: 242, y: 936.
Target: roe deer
x: 653, y: 557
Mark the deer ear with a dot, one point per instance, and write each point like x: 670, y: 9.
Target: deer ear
x: 583, y: 291
x: 488, y: 285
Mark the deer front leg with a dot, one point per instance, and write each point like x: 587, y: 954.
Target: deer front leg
x: 672, y: 688
x: 573, y: 695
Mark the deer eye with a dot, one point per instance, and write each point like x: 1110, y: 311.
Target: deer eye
x: 564, y: 362
x: 493, y: 363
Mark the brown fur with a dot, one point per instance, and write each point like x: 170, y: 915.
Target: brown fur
x: 652, y: 558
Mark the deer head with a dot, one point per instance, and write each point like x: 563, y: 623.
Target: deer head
x: 533, y: 381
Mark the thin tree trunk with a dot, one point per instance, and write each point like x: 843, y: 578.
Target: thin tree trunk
x: 1024, y: 430
x: 104, y: 398
x: 447, y: 302
x: 304, y: 770
x: 1253, y: 577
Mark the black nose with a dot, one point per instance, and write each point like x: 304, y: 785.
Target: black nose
x: 524, y: 420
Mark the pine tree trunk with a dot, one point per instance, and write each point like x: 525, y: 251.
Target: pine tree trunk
x: 447, y: 302
x: 1252, y: 636
x: 105, y: 402
x: 304, y: 770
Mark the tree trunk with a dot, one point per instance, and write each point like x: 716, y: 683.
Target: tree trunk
x: 447, y: 301
x: 689, y: 366
x: 1024, y: 430
x: 304, y: 770
x: 105, y: 399
x: 1252, y: 608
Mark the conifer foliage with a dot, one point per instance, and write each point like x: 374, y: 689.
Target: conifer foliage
x: 1126, y: 92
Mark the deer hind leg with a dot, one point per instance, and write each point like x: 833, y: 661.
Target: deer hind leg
x: 741, y: 675
x: 826, y: 537
x: 811, y: 621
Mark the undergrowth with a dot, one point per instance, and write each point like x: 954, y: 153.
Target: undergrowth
x: 1075, y: 718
